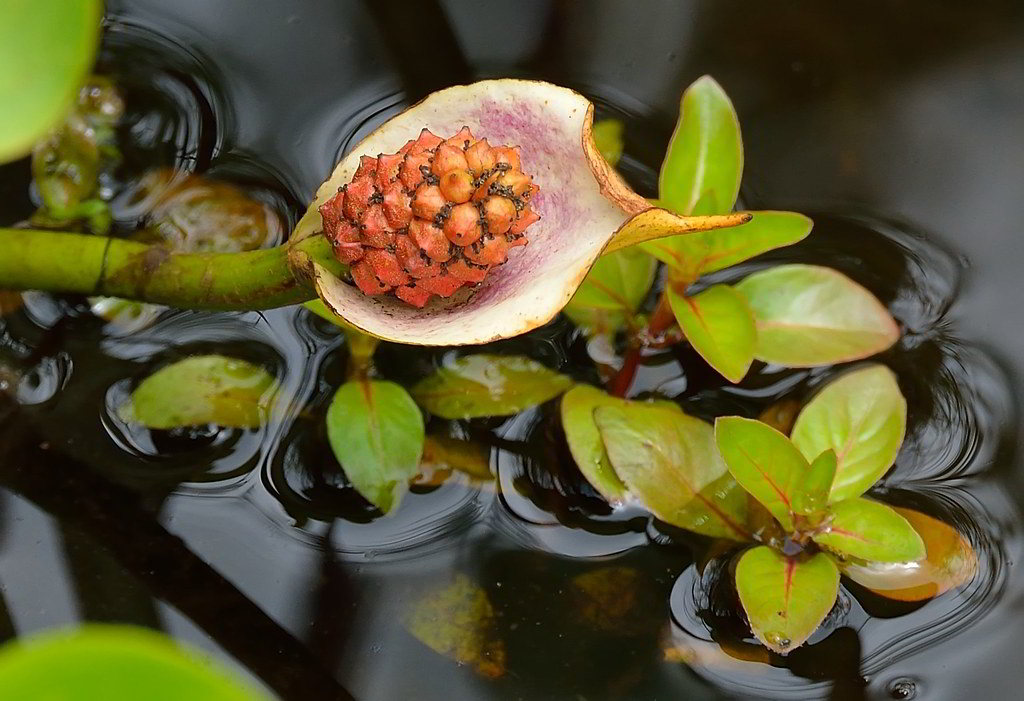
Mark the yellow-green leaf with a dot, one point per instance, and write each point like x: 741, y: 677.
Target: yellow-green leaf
x: 46, y: 51
x: 812, y: 494
x: 612, y: 290
x: 764, y: 462
x: 201, y: 390
x: 704, y: 162
x: 785, y: 598
x: 950, y: 562
x: 668, y: 461
x: 869, y: 530
x: 584, y: 439
x: 862, y: 416
x: 808, y: 315
x: 488, y: 385
x: 114, y: 662
x: 718, y: 324
x: 608, y: 137
x: 707, y: 251
x: 376, y: 431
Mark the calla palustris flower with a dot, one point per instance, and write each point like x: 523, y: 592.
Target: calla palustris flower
x: 584, y: 209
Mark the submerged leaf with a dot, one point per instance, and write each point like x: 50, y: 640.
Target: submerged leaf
x: 608, y: 137
x: 584, y: 439
x: 99, y: 661
x: 46, y: 50
x: 488, y: 385
x: 201, y: 390
x: 862, y: 416
x: 705, y: 252
x: 808, y: 315
x: 442, y: 455
x: 459, y: 622
x: 9, y: 301
x: 950, y: 562
x: 376, y: 431
x: 668, y: 461
x: 718, y: 324
x: 764, y: 462
x: 612, y: 600
x: 869, y: 530
x: 785, y: 598
x: 612, y: 291
x: 704, y: 162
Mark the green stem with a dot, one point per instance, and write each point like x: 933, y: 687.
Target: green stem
x: 62, y: 262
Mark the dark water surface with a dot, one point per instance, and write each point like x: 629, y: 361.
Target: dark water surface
x: 896, y: 125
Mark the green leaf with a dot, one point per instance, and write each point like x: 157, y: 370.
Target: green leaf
x: 764, y: 462
x: 608, y: 137
x: 862, y: 416
x: 584, y: 439
x: 950, y: 562
x: 668, y: 461
x: 459, y: 622
x: 869, y: 530
x: 812, y: 494
x: 113, y: 662
x: 612, y: 291
x: 707, y: 251
x: 785, y: 598
x: 201, y: 390
x: 718, y: 324
x: 376, y: 431
x: 808, y: 315
x: 46, y: 51
x: 488, y: 385
x: 704, y: 162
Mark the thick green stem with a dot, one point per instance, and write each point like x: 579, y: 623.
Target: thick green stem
x: 76, y: 263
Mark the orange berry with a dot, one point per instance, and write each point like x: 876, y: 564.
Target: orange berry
x: 457, y: 185
x: 499, y: 213
x: 463, y: 224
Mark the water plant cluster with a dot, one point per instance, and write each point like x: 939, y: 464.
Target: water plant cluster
x: 786, y: 498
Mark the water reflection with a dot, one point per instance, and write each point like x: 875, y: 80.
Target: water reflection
x: 257, y: 538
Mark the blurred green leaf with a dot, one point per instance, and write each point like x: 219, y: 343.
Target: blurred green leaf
x: 808, y: 315
x: 480, y: 385
x: 376, y: 431
x: 718, y: 324
x: 612, y: 291
x: 459, y: 622
x: 442, y: 455
x: 862, y: 416
x: 812, y: 494
x: 584, y: 439
x: 704, y: 163
x: 113, y: 662
x: 785, y: 598
x: 950, y: 562
x: 201, y: 390
x: 668, y: 461
x: 608, y: 137
x: 693, y: 255
x: 869, y: 530
x: 46, y: 51
x: 764, y: 462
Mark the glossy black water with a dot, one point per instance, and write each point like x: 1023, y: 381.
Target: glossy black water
x: 896, y: 125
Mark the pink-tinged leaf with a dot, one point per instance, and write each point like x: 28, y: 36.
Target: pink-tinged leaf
x: 808, y: 315
x: 862, y: 416
x: 669, y: 463
x: 718, y: 324
x: 950, y: 562
x: 785, y: 598
x: 869, y: 530
x: 584, y: 439
x: 764, y: 462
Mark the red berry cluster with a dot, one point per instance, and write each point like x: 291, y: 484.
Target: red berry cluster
x: 435, y: 216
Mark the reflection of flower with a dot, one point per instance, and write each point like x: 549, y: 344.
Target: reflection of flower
x: 585, y: 208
